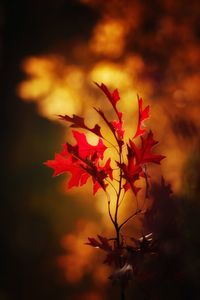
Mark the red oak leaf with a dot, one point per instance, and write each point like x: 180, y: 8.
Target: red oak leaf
x: 60, y: 164
x: 78, y: 122
x: 115, y: 127
x: 82, y: 161
x: 143, y: 115
x: 112, y: 97
x: 107, y: 168
x: 63, y: 164
x: 97, y: 186
x: 144, y: 153
x: 137, y: 157
x: 101, y: 113
x: 100, y: 173
x: 131, y: 172
x: 85, y: 149
x: 98, y: 176
x: 118, y: 129
x: 130, y: 185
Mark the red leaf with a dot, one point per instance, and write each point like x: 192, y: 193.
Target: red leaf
x: 82, y: 161
x: 112, y: 97
x: 101, y: 113
x: 143, y: 115
x: 99, y: 174
x: 86, y: 150
x: 96, y: 187
x: 60, y: 164
x: 144, y: 153
x: 107, y: 168
x: 118, y: 129
x: 115, y: 127
x: 131, y: 173
x: 64, y: 163
x: 78, y: 122
x: 137, y: 157
x: 131, y: 185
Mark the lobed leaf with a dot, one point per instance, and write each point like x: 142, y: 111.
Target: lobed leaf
x: 113, y: 97
x: 82, y: 162
x: 143, y: 115
x: 79, y: 122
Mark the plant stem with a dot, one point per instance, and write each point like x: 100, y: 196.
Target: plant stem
x: 122, y: 289
x: 117, y: 227
x: 129, y: 218
x: 109, y: 211
x: 119, y: 189
x: 122, y: 293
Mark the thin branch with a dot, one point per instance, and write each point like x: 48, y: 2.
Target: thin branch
x: 116, y: 180
x: 109, y: 210
x: 111, y: 185
x: 132, y: 216
x: 115, y: 147
x: 122, y: 198
x: 108, y: 124
x: 119, y: 189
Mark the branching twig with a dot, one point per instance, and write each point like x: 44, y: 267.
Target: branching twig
x: 109, y: 210
x: 111, y: 185
x: 131, y: 216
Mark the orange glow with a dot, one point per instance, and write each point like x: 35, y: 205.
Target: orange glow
x: 55, y: 88
x: 109, y: 38
x: 91, y: 296
x: 81, y: 259
x: 58, y: 86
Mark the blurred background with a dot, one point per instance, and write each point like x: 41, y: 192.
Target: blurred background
x: 51, y: 52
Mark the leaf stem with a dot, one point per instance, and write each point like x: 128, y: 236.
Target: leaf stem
x: 115, y: 147
x: 111, y: 185
x: 122, y: 198
x: 109, y: 210
x: 122, y: 292
x: 131, y: 216
x: 119, y: 189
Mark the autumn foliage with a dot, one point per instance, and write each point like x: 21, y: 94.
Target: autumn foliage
x: 84, y: 161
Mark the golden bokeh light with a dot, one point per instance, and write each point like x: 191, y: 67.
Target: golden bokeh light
x: 80, y: 258
x: 109, y: 38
